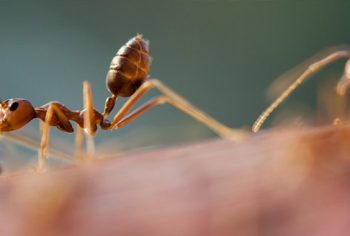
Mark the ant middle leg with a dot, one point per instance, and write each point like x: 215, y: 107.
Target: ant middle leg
x: 177, y: 101
x: 89, y: 122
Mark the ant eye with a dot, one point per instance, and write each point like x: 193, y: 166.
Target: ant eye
x: 14, y: 106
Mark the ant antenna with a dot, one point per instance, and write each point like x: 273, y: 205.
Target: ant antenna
x: 311, y: 70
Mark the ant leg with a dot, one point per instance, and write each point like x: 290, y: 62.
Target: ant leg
x: 44, y: 139
x: 139, y: 111
x: 89, y: 120
x: 143, y: 108
x: 79, y: 144
x: 311, y: 70
x: 33, y: 145
x: 344, y: 83
x: 53, y: 112
x: 180, y: 103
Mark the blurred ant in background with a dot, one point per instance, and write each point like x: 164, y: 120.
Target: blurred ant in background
x: 342, y: 85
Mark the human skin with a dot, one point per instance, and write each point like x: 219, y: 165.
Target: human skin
x: 279, y: 182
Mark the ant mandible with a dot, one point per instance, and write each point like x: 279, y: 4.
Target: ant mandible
x: 126, y: 78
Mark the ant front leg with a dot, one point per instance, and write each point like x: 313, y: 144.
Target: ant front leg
x: 44, y: 140
x: 53, y: 116
x: 177, y: 101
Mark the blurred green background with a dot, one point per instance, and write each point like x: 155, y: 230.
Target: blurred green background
x: 220, y: 55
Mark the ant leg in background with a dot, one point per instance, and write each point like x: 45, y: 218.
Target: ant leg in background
x: 177, y: 101
x: 79, y: 144
x: 311, y: 70
x: 33, y: 145
x: 344, y: 83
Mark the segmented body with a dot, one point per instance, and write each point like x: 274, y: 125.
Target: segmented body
x: 128, y: 70
x: 129, y: 67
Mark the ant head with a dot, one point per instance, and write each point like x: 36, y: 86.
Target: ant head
x: 15, y: 113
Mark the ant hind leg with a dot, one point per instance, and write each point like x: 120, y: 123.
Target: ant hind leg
x: 139, y: 111
x: 177, y: 101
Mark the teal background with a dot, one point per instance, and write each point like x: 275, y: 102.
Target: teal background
x: 220, y: 55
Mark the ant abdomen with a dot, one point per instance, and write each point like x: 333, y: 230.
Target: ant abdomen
x: 129, y: 68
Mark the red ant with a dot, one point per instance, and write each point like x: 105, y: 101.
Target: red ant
x: 127, y: 77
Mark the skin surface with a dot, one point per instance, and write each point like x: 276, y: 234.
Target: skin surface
x: 283, y: 182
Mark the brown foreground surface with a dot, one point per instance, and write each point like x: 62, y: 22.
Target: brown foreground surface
x: 281, y: 182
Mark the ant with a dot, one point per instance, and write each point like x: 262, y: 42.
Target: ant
x: 126, y: 77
